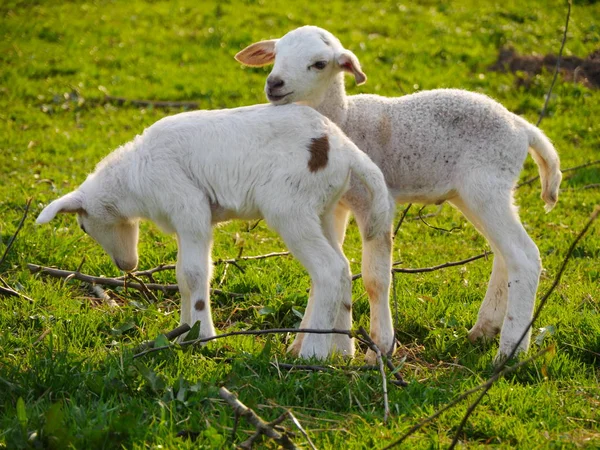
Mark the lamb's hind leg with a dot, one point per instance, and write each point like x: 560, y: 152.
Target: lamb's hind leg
x: 492, y: 211
x: 329, y: 275
x: 493, y: 308
x: 377, y: 274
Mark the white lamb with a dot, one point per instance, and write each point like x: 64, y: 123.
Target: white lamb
x: 433, y: 146
x: 289, y: 165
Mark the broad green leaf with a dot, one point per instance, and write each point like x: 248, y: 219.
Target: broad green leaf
x: 21, y: 413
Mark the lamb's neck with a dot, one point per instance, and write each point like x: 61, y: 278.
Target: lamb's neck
x: 117, y: 190
x: 335, y: 104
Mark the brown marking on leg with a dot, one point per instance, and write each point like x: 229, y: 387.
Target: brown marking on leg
x: 319, y: 153
x: 373, y: 288
x: 348, y: 306
x: 200, y: 305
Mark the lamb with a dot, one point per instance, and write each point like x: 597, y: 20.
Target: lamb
x: 433, y: 146
x: 289, y: 165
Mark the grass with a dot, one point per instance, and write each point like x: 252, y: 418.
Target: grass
x: 67, y: 377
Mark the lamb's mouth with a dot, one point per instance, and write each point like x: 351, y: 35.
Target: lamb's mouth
x: 277, y: 98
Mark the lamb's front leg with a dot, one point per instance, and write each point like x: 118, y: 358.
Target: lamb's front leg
x: 194, y: 271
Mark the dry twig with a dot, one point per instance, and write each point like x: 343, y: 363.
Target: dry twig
x: 11, y: 241
x: 269, y: 429
x: 114, y: 282
x: 569, y: 169
x: 102, y: 295
x: 364, y: 337
x: 402, y: 217
x: 249, y: 333
x: 432, y: 268
x: 558, y: 61
x: 173, y: 334
x: 154, y: 103
x: 234, y: 261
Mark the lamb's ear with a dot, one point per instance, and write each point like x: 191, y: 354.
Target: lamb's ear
x: 258, y: 54
x: 349, y: 63
x: 70, y: 203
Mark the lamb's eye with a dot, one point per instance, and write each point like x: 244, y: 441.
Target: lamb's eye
x: 320, y: 65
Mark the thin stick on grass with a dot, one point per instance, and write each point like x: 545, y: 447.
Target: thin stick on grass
x: 569, y: 169
x: 170, y: 335
x: 422, y: 218
x: 269, y: 429
x: 402, y: 217
x: 432, y: 268
x: 11, y: 241
x: 164, y: 267
x: 557, y: 68
x: 115, y: 282
x: 364, y: 337
x: 248, y: 333
x: 154, y: 103
x: 101, y: 294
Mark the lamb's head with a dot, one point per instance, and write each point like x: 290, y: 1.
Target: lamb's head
x: 306, y: 61
x: 100, y: 219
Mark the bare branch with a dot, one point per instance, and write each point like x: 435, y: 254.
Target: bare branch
x: 102, y: 295
x: 114, y: 282
x: 367, y: 339
x: 558, y: 61
x: 302, y: 430
x: 249, y: 333
x: 173, y: 334
x: 569, y: 169
x: 234, y: 261
x: 7, y: 291
x: 432, y: 268
x: 404, y: 213
x: 11, y: 241
x: 262, y: 427
x: 154, y: 103
x: 422, y: 218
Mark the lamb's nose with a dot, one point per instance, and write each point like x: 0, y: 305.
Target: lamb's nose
x: 274, y: 82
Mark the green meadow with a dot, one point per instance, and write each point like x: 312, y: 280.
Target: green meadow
x: 67, y: 374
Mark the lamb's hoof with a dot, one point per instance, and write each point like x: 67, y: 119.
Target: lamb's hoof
x: 506, y: 349
x: 484, y: 332
x: 371, y: 356
x: 343, y: 346
x: 295, y: 347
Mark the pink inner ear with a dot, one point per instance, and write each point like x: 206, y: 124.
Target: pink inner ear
x: 348, y: 66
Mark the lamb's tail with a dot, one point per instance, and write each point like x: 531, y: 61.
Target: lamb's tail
x: 545, y: 156
x: 381, y: 215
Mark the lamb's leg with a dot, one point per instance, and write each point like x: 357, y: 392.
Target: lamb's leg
x: 341, y: 215
x: 493, y: 213
x: 194, y: 270
x: 493, y: 309
x: 329, y: 275
x: 333, y: 225
x: 377, y: 274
